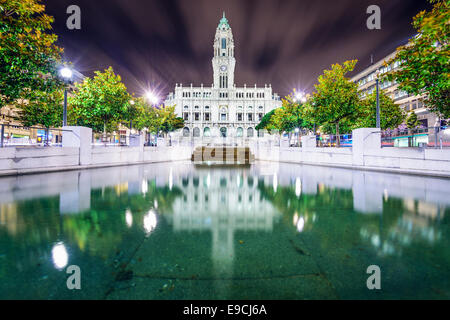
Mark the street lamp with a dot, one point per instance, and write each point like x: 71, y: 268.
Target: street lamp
x: 66, y: 73
x: 377, y: 80
x: 300, y: 97
x: 153, y: 98
x: 131, y: 120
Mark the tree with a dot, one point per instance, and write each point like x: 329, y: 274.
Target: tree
x: 100, y: 101
x: 42, y: 109
x: 29, y: 57
x: 336, y: 98
x: 289, y: 116
x: 425, y: 59
x: 265, y: 121
x: 168, y: 121
x: 412, y: 122
x: 391, y: 114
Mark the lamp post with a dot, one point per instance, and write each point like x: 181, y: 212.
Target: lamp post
x: 131, y: 120
x: 153, y: 98
x: 377, y: 80
x: 66, y: 73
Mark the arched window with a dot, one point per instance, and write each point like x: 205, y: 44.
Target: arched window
x: 186, y: 107
x: 239, y: 132
x: 207, y: 132
x: 186, y: 132
x: 250, y: 132
x: 223, y: 132
x: 196, y: 132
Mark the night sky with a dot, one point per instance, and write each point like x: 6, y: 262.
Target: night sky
x: 154, y: 44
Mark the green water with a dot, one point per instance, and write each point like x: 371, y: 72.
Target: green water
x: 267, y: 231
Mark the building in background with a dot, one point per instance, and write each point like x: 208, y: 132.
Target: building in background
x: 367, y: 85
x: 222, y: 110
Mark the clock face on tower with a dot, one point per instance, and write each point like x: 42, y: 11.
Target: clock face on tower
x: 223, y: 68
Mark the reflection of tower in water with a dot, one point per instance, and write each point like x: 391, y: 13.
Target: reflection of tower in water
x: 222, y: 201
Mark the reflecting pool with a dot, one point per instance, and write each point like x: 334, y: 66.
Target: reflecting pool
x: 265, y: 231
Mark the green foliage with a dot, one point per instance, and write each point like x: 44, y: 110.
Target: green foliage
x: 45, y: 109
x: 265, y: 121
x: 391, y: 114
x: 425, y: 60
x: 168, y: 121
x: 289, y: 116
x: 29, y: 57
x: 336, y: 98
x: 412, y: 122
x: 101, y: 101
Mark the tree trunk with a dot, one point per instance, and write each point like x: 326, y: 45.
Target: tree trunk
x: 338, y: 138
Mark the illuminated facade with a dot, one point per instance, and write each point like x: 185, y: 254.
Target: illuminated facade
x: 222, y: 110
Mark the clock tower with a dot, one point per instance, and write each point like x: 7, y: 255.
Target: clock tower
x: 223, y: 61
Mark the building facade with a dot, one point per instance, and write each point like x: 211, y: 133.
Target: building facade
x: 222, y: 110
x: 366, y: 81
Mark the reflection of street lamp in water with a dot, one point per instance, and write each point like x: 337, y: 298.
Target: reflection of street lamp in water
x: 59, y: 255
x: 150, y: 221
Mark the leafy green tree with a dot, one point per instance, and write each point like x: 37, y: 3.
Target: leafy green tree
x: 336, y: 98
x: 412, y: 122
x: 168, y: 121
x: 289, y: 116
x: 425, y: 60
x: 100, y: 101
x: 391, y: 114
x: 265, y: 121
x: 29, y: 57
x: 45, y: 109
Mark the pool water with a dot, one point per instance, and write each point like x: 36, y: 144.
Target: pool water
x: 265, y: 231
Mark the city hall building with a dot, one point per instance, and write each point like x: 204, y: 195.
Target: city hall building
x: 222, y: 110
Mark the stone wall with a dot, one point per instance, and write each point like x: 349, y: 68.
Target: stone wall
x: 77, y: 152
x: 365, y: 153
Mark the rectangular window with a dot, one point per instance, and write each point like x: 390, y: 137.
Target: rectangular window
x: 223, y: 117
x: 197, y: 116
x: 207, y: 116
x: 224, y: 43
x: 260, y: 116
x: 186, y: 116
x: 250, y: 117
x: 239, y: 116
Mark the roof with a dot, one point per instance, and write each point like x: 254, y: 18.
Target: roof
x: 223, y: 24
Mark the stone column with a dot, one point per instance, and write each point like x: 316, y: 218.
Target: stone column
x: 79, y: 137
x: 309, y: 142
x: 364, y: 139
x: 137, y: 141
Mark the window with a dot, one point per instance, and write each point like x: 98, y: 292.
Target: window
x: 239, y: 132
x: 197, y: 116
x: 207, y: 116
x: 196, y: 132
x: 186, y: 116
x: 224, y: 43
x: 223, y: 117
x: 250, y: 117
x: 260, y: 116
x: 239, y: 116
x: 250, y: 132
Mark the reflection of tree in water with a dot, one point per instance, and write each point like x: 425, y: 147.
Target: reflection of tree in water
x: 26, y: 231
x: 291, y: 203
x: 103, y: 227
x: 33, y: 224
x: 329, y: 217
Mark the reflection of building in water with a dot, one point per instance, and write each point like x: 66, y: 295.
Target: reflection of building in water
x: 223, y: 201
